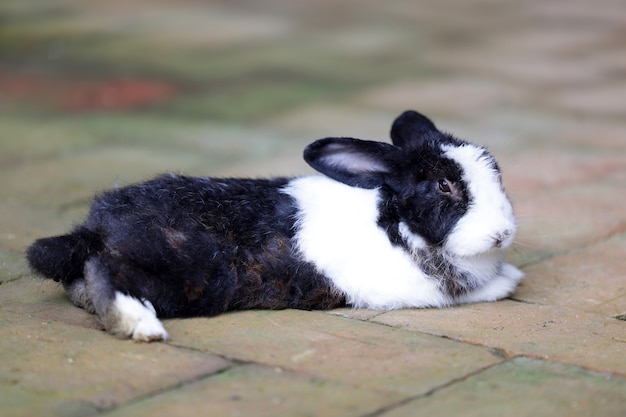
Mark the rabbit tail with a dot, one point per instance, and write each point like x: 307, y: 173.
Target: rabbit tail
x: 62, y: 258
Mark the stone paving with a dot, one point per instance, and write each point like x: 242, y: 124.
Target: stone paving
x: 94, y: 94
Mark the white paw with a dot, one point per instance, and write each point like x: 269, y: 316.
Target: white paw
x: 512, y: 273
x: 500, y: 287
x: 136, y: 319
x: 149, y: 331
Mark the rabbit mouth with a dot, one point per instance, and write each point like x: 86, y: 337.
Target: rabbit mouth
x: 503, y: 239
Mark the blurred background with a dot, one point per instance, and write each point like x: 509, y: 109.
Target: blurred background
x: 94, y: 94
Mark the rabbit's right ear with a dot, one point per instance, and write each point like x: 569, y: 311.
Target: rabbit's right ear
x: 355, y: 162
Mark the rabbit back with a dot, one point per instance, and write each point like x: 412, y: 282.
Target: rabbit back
x: 202, y: 246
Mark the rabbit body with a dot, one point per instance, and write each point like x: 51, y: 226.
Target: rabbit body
x: 420, y: 223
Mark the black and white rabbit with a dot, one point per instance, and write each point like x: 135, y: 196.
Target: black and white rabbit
x: 420, y: 223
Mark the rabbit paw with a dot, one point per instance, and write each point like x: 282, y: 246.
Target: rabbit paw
x: 135, y: 319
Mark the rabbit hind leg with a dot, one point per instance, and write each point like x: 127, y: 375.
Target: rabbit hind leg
x: 120, y: 313
x: 78, y: 293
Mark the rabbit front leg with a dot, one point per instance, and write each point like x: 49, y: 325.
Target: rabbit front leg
x: 121, y: 314
x: 497, y: 288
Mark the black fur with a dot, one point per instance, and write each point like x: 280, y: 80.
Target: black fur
x: 62, y: 258
x: 192, y: 246
x: 411, y: 128
x: 354, y: 162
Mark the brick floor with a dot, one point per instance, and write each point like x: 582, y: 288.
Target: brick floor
x: 94, y: 95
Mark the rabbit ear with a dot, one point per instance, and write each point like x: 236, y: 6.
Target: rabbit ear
x: 411, y: 128
x: 359, y: 163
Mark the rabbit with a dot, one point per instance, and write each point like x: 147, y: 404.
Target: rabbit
x: 418, y: 223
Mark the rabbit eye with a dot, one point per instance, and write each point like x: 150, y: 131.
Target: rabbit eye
x: 444, y: 187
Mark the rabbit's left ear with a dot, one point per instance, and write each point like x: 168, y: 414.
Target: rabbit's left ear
x: 355, y: 162
x: 411, y: 129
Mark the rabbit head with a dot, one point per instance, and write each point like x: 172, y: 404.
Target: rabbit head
x: 437, y: 191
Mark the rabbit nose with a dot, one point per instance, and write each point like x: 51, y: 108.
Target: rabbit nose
x: 500, y: 237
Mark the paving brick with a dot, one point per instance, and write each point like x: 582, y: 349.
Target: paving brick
x: 21, y: 224
x: 16, y: 401
x: 12, y: 266
x: 349, y: 351
x: 555, y: 333
x: 21, y: 141
x: 606, y: 100
x: 524, y: 387
x: 75, y: 368
x: 566, y: 218
x: 285, y: 163
x: 191, y: 25
x: 464, y: 96
x: 530, y: 172
x: 523, y: 69
x: 511, y: 131
x: 76, y: 177
x: 45, y: 300
x: 335, y: 120
x: 546, y: 40
x: 363, y: 314
x: 589, y: 280
x: 601, y: 17
x: 595, y: 134
x: 262, y: 391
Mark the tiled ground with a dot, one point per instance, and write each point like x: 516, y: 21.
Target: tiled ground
x: 94, y: 94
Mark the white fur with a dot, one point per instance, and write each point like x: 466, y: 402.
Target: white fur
x: 499, y: 287
x: 136, y: 319
x: 490, y: 214
x: 415, y: 242
x: 337, y: 231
